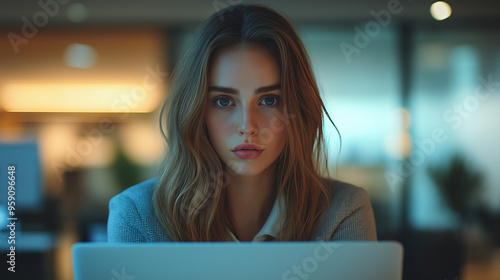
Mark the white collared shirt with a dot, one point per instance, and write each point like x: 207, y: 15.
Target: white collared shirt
x: 271, y: 226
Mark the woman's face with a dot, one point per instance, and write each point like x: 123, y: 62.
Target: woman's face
x: 244, y: 106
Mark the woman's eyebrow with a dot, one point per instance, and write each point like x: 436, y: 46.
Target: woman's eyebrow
x: 234, y: 91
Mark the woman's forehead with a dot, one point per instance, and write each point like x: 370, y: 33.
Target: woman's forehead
x: 244, y: 64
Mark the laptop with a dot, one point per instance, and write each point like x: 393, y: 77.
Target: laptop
x: 316, y: 260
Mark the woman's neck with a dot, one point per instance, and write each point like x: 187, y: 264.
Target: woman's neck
x: 250, y: 200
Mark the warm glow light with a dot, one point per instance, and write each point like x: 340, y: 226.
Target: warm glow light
x: 142, y: 142
x: 440, y: 10
x: 403, y: 115
x: 81, y: 98
x: 398, y: 145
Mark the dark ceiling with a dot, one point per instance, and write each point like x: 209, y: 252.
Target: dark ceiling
x: 172, y: 12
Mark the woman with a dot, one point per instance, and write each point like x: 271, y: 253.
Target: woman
x: 244, y: 139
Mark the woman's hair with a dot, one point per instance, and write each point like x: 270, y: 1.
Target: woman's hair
x: 189, y: 199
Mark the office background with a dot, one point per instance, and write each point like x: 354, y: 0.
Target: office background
x: 414, y: 91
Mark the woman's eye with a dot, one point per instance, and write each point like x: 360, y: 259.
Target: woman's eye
x: 270, y: 101
x: 222, y: 102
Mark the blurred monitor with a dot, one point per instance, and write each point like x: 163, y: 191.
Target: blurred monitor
x: 28, y: 180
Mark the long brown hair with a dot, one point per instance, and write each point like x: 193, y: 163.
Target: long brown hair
x: 189, y: 199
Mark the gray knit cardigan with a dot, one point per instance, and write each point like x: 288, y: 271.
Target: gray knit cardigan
x: 132, y: 218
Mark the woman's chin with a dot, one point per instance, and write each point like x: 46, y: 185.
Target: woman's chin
x: 243, y: 170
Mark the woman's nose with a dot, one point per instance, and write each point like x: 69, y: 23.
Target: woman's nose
x: 248, y: 123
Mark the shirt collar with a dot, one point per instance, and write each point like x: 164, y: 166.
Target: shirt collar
x: 271, y: 226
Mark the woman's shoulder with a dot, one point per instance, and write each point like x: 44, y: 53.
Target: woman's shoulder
x: 350, y: 207
x: 341, y: 191
x: 140, y: 193
x: 131, y: 213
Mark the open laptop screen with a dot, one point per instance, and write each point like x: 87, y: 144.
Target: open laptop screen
x: 247, y: 260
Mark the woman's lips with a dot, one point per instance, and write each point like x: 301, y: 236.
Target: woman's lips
x: 247, y: 154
